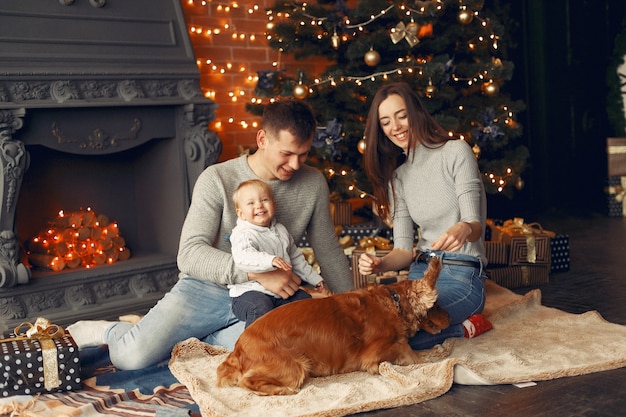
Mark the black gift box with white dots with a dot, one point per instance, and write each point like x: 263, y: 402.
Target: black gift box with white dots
x: 22, y: 366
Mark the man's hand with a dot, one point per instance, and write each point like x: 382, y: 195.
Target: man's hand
x: 282, y: 283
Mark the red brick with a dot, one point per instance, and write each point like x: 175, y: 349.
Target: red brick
x: 254, y: 55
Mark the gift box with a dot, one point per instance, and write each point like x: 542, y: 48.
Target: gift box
x: 528, y: 244
x: 43, y: 359
x: 615, y: 191
x: 491, y: 223
x: 497, y: 253
x: 361, y: 280
x: 559, y: 246
x: 616, y: 153
x: 303, y: 242
x: 520, y: 275
x: 341, y: 212
x: 359, y: 231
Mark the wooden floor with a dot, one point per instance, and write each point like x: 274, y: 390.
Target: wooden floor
x: 596, y: 281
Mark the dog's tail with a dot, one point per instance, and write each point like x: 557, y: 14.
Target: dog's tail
x: 432, y: 273
x: 427, y: 287
x: 229, y: 371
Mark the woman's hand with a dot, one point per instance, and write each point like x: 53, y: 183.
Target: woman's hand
x: 369, y: 264
x: 455, y: 237
x: 282, y: 283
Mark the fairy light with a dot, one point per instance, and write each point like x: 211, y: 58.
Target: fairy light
x: 79, y: 238
x: 241, y: 85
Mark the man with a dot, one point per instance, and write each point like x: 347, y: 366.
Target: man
x: 199, y: 304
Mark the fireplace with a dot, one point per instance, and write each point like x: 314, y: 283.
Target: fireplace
x: 100, y: 107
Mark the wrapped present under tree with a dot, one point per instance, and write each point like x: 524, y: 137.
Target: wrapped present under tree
x: 528, y: 243
x: 519, y: 254
x: 616, y: 184
x: 38, y: 358
x: 616, y: 154
x: 520, y: 275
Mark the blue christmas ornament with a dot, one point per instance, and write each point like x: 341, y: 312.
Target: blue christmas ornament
x: 328, y: 137
x: 488, y: 131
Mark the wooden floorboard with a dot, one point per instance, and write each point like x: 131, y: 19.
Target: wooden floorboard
x: 595, y: 282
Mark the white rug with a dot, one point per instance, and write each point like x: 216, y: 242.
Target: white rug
x: 529, y: 342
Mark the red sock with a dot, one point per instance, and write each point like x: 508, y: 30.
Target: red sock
x: 476, y: 325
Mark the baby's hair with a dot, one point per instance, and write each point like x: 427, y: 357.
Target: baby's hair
x: 252, y: 183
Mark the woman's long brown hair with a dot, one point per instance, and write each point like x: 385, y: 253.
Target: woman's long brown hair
x: 382, y: 156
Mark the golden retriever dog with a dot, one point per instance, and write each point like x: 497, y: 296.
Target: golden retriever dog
x: 353, y: 331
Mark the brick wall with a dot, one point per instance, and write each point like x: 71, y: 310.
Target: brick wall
x: 229, y: 61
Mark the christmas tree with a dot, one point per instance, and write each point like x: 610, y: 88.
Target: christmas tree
x: 453, y: 52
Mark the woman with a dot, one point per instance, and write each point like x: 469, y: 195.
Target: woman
x: 421, y: 175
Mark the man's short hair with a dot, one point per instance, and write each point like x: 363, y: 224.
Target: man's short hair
x: 292, y: 115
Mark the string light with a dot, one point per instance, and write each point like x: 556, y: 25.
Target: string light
x: 349, y: 29
x: 500, y: 180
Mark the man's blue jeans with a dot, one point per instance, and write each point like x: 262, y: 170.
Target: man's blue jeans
x: 192, y: 308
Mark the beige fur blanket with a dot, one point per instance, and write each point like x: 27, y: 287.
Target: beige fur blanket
x: 529, y: 342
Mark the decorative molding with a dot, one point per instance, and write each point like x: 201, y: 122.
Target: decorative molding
x: 94, y: 3
x: 79, y: 296
x: 24, y: 91
x: 129, y: 90
x: 99, y: 139
x: 62, y: 300
x: 157, y: 88
x: 10, y: 122
x: 100, y: 91
x: 111, y: 288
x: 189, y: 89
x: 61, y: 91
x: 142, y: 284
x: 41, y: 302
x: 202, y: 146
x: 14, y: 161
x: 11, y: 308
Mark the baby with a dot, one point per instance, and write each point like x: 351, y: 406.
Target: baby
x: 260, y: 244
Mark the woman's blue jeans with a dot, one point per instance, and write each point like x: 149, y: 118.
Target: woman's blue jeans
x: 192, y: 308
x: 461, y: 292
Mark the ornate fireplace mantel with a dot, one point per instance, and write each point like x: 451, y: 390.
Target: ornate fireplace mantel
x: 93, y: 79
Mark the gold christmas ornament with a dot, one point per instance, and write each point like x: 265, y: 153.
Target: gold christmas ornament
x: 372, y: 58
x: 490, y: 88
x: 412, y: 27
x: 335, y: 40
x: 476, y: 150
x: 430, y: 89
x: 361, y: 146
x: 465, y: 17
x: 300, y: 91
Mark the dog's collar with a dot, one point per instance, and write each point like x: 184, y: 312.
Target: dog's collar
x: 396, y: 299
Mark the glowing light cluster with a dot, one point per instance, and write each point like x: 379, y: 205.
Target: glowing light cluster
x: 77, y: 239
